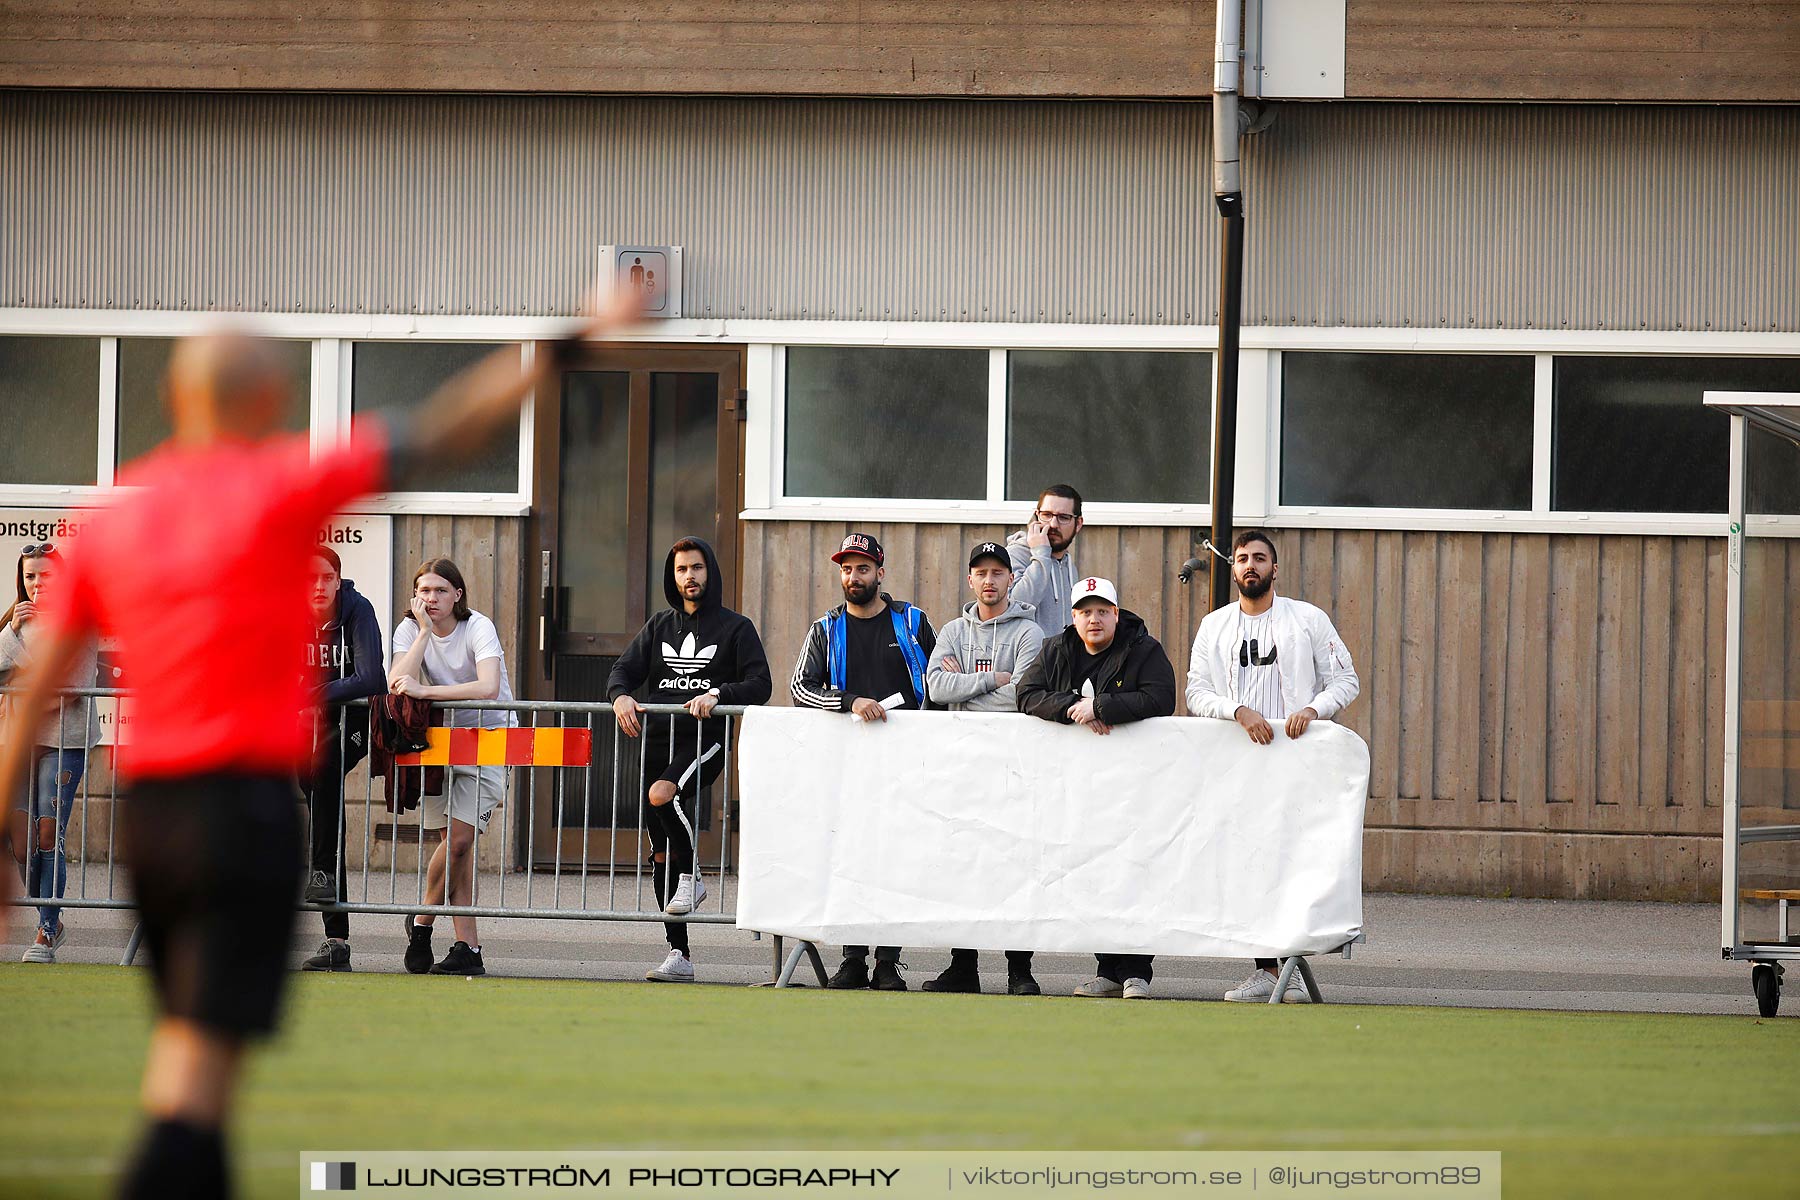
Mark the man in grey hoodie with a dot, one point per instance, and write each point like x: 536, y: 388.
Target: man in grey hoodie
x: 1044, y: 572
x: 972, y: 669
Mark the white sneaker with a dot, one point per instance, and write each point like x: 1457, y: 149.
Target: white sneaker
x: 675, y: 969
x: 1261, y: 985
x: 1137, y: 989
x: 690, y: 890
x: 43, y: 949
x: 1256, y: 988
x: 1099, y: 988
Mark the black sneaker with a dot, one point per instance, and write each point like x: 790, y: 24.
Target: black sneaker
x: 321, y: 888
x: 854, y: 973
x: 462, y: 960
x: 333, y: 955
x: 887, y: 978
x: 418, y: 946
x: 957, y: 977
x: 1020, y: 983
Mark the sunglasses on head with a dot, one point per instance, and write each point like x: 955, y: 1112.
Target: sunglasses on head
x: 38, y: 551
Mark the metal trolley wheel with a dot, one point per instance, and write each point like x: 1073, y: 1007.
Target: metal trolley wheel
x: 1765, y: 981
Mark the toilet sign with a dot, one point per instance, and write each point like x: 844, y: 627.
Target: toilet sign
x: 651, y: 273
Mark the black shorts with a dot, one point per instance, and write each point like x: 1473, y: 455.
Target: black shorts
x: 215, y: 861
x: 671, y: 759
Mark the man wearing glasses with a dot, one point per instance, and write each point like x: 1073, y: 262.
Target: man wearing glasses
x: 1044, y: 574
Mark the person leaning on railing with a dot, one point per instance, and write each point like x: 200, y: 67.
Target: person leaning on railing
x: 445, y: 650
x: 1104, y: 670
x: 41, y: 815
x: 699, y: 654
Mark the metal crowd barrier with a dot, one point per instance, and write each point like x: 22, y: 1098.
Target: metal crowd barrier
x: 566, y: 763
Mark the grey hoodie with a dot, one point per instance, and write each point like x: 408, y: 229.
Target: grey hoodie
x: 1043, y: 581
x: 1009, y: 643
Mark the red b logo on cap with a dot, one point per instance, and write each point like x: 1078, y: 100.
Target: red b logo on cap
x: 1090, y: 584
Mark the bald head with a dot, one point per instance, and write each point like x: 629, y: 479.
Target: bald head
x: 225, y: 385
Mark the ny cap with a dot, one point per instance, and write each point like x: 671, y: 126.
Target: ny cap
x: 990, y: 550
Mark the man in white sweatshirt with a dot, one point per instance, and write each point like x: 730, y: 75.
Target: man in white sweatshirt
x: 1267, y: 658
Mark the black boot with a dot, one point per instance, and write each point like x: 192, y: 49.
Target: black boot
x: 1018, y: 975
x: 962, y: 975
x: 887, y: 977
x: 418, y: 955
x: 851, y: 974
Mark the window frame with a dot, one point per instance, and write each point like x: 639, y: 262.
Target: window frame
x: 764, y: 341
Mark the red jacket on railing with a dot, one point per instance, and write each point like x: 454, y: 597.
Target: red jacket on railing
x: 399, y: 724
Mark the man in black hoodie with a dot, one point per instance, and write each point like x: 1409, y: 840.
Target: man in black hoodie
x: 1103, y: 670
x: 699, y: 654
x: 344, y: 657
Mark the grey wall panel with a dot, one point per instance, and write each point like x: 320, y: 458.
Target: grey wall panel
x: 826, y: 209
x: 1525, y: 217
x: 1360, y: 214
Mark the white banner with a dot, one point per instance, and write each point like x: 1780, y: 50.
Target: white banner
x: 1003, y: 832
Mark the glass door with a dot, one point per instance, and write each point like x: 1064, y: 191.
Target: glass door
x: 640, y: 447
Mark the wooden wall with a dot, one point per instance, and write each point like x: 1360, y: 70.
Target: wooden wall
x: 1544, y: 713
x: 489, y: 551
x: 1586, y: 50
x: 695, y: 47
x: 1394, y: 49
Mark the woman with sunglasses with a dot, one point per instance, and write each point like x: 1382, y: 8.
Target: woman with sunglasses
x: 59, y: 756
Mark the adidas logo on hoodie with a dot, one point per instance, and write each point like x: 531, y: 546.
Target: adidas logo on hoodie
x: 687, y: 662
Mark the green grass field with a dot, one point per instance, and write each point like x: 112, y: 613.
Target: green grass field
x: 1580, y: 1104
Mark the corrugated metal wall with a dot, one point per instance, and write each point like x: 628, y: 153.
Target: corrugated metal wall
x: 1360, y: 214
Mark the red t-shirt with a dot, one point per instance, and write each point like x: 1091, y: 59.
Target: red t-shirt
x: 200, y: 578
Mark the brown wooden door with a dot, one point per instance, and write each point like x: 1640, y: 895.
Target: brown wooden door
x: 639, y: 446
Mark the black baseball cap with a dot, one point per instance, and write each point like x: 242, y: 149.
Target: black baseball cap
x: 859, y: 543
x: 990, y: 550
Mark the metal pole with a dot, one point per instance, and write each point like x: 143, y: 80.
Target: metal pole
x: 1228, y: 194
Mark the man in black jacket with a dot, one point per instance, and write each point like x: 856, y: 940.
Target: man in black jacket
x: 1103, y: 670
x: 345, y: 656
x: 699, y: 654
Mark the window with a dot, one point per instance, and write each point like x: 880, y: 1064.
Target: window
x: 1406, y: 430
x: 394, y: 377
x: 1123, y: 426
x: 1633, y: 435
x: 1772, y: 474
x: 48, y: 393
x: 143, y: 420
x: 883, y: 423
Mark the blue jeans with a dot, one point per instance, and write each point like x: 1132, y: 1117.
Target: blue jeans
x: 51, y: 796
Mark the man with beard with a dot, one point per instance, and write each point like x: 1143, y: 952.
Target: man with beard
x: 1267, y: 658
x: 699, y: 654
x: 865, y: 657
x: 1044, y: 574
x: 1103, y: 670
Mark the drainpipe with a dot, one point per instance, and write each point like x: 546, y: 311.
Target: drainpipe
x: 1228, y: 195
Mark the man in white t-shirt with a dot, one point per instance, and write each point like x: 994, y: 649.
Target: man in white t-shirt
x: 457, y: 658
x: 1267, y: 658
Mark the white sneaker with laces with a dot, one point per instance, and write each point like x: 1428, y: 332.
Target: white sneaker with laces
x: 1137, y: 989
x: 675, y: 969
x: 1256, y: 989
x: 43, y: 949
x: 690, y: 890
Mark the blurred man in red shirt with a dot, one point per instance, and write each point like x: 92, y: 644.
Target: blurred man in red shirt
x: 198, y: 574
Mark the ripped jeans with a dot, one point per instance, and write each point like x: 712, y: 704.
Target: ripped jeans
x: 50, y: 796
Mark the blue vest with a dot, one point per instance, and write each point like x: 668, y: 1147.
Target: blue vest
x: 906, y: 633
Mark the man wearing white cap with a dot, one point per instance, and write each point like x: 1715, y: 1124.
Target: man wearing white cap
x: 1103, y: 670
